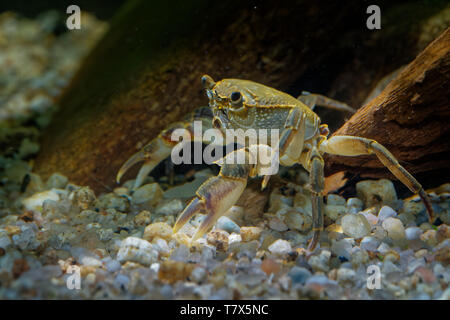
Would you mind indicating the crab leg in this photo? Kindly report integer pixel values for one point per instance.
(314, 99)
(216, 195)
(291, 141)
(160, 148)
(316, 181)
(355, 146)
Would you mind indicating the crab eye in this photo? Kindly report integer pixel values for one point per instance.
(235, 96)
(208, 82)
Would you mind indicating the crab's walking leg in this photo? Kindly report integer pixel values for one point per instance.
(316, 181)
(313, 99)
(216, 195)
(160, 148)
(355, 146)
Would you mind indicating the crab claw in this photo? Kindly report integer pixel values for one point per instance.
(214, 197)
(153, 153)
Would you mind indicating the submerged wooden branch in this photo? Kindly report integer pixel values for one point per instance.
(410, 117)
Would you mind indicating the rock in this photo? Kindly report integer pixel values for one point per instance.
(383, 248)
(234, 238)
(299, 275)
(280, 247)
(345, 275)
(113, 266)
(5, 241)
(413, 233)
(161, 246)
(386, 212)
(429, 237)
(368, 214)
(278, 201)
(320, 262)
(148, 194)
(26, 239)
(171, 271)
(389, 267)
(85, 257)
(355, 225)
(303, 201)
(355, 203)
(394, 228)
(377, 192)
(443, 232)
(270, 266)
(137, 250)
(34, 203)
(334, 211)
(342, 248)
(174, 207)
(158, 230)
(143, 218)
(277, 225)
(297, 220)
(57, 181)
(369, 243)
(198, 274)
(250, 233)
(359, 256)
(334, 199)
(219, 239)
(84, 198)
(227, 225)
(181, 253)
(112, 201)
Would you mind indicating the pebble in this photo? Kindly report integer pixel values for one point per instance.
(355, 225)
(377, 192)
(355, 203)
(270, 266)
(299, 275)
(345, 275)
(369, 243)
(320, 263)
(334, 199)
(137, 250)
(219, 239)
(143, 218)
(277, 225)
(394, 228)
(333, 211)
(34, 203)
(108, 201)
(57, 181)
(280, 247)
(227, 225)
(113, 265)
(368, 214)
(296, 219)
(172, 207)
(198, 274)
(386, 212)
(148, 194)
(250, 233)
(157, 230)
(342, 248)
(413, 233)
(429, 237)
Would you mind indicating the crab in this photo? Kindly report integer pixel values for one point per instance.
(244, 104)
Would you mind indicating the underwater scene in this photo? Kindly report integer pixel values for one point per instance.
(234, 150)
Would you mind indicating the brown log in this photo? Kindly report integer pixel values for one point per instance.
(410, 117)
